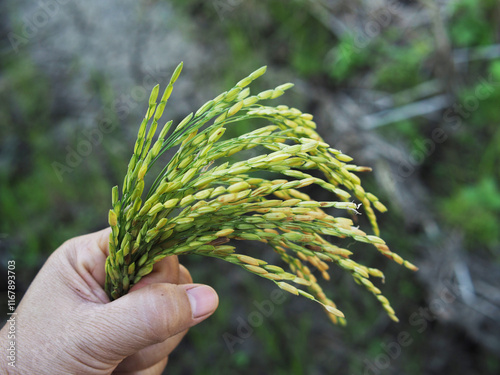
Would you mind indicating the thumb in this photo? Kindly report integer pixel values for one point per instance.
(152, 314)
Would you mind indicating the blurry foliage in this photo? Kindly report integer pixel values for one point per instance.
(42, 211)
(24, 114)
(476, 209)
(349, 58)
(473, 22)
(475, 147)
(400, 66)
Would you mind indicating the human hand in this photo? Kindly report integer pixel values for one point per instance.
(65, 324)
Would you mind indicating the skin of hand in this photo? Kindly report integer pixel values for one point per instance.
(65, 323)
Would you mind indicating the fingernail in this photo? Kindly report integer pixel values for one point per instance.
(203, 300)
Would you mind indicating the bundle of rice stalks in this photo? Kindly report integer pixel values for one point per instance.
(203, 202)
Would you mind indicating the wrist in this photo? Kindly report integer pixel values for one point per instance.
(8, 356)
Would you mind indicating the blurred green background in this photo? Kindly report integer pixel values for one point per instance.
(410, 88)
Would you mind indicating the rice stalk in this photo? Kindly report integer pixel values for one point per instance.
(203, 202)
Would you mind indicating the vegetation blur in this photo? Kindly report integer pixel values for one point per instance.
(410, 88)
